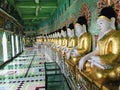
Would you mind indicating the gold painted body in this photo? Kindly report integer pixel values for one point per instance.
(109, 52)
(72, 42)
(64, 44)
(83, 47)
(59, 44)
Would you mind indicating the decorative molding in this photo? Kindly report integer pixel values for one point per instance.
(65, 23)
(9, 16)
(85, 11)
(115, 3)
(60, 27)
(117, 9)
(72, 19)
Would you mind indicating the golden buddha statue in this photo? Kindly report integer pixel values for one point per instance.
(55, 41)
(64, 40)
(59, 40)
(39, 39)
(72, 40)
(52, 40)
(83, 44)
(44, 38)
(103, 64)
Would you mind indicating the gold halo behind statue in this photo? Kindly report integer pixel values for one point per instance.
(72, 19)
(115, 3)
(85, 11)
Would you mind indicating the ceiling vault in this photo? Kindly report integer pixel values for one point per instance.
(33, 12)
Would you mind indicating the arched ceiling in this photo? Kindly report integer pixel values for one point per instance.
(33, 12)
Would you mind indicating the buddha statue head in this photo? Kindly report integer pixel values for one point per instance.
(63, 31)
(55, 34)
(80, 26)
(46, 35)
(59, 33)
(70, 30)
(51, 35)
(107, 20)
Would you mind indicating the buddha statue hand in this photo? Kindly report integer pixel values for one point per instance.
(95, 59)
(75, 53)
(58, 48)
(84, 59)
(68, 54)
(99, 64)
(53, 46)
(64, 50)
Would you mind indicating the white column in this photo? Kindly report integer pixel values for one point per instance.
(17, 46)
(4, 44)
(21, 44)
(13, 47)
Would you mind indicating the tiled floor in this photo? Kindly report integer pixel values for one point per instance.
(26, 72)
(30, 72)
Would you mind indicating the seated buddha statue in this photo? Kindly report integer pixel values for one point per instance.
(59, 42)
(52, 40)
(103, 64)
(64, 40)
(55, 41)
(83, 43)
(71, 41)
(49, 37)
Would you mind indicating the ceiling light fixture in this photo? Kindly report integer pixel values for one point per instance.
(37, 10)
(36, 1)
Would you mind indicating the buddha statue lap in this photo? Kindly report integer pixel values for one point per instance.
(103, 64)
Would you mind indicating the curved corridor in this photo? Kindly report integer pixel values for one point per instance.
(27, 72)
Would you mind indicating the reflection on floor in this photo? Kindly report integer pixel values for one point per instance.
(27, 72)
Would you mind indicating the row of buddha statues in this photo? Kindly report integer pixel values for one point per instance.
(74, 44)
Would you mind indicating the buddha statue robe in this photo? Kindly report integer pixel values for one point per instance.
(109, 53)
(103, 64)
(83, 47)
